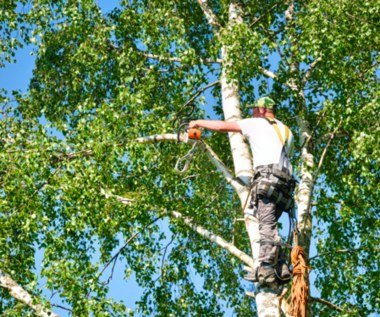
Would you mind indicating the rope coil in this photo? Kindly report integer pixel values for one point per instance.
(300, 287)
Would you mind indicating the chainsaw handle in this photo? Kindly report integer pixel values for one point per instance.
(181, 126)
(192, 133)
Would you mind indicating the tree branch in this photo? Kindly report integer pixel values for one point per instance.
(215, 238)
(200, 91)
(326, 303)
(210, 15)
(58, 157)
(148, 139)
(294, 47)
(310, 70)
(272, 35)
(116, 255)
(20, 294)
(202, 231)
(257, 20)
(178, 59)
(332, 252)
(267, 73)
(310, 136)
(283, 303)
(374, 65)
(62, 307)
(325, 151)
(164, 257)
(165, 58)
(160, 138)
(125, 201)
(234, 182)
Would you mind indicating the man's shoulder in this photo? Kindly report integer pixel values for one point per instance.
(251, 120)
(279, 122)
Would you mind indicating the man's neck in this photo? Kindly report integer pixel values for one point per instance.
(269, 115)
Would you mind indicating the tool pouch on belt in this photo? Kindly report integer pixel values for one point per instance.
(276, 184)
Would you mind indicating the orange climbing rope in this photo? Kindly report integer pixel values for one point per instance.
(300, 287)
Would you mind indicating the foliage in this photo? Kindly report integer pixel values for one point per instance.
(100, 81)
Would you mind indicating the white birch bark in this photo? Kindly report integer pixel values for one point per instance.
(17, 292)
(267, 300)
(231, 108)
(215, 238)
(305, 188)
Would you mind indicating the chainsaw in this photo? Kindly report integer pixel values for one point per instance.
(191, 133)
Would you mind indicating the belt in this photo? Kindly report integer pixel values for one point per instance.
(273, 169)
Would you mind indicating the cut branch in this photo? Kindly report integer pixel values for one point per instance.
(215, 238)
(160, 138)
(20, 294)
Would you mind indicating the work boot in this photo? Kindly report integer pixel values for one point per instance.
(266, 275)
(252, 276)
(282, 272)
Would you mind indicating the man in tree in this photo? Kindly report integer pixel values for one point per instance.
(271, 144)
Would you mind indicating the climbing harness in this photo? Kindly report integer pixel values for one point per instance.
(183, 163)
(275, 183)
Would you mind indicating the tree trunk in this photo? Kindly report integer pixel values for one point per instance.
(267, 301)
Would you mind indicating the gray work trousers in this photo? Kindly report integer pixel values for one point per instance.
(268, 214)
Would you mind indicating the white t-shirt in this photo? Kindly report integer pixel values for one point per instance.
(265, 144)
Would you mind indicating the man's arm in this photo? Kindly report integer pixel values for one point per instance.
(216, 125)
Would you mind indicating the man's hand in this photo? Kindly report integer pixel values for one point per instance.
(193, 124)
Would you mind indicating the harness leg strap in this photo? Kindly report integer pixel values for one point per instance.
(275, 243)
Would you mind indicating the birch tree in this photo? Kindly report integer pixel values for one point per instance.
(87, 154)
